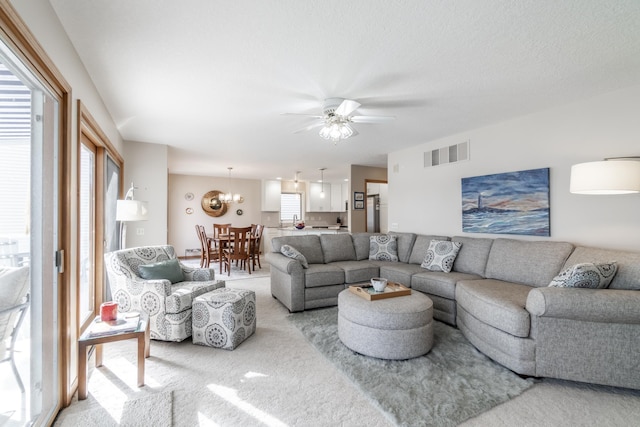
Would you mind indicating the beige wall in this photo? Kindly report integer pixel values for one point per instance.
(182, 234)
(428, 200)
(357, 182)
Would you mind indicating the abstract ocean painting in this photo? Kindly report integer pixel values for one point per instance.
(507, 203)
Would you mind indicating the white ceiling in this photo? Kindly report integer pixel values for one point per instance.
(210, 78)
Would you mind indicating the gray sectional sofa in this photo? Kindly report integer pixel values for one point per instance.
(497, 294)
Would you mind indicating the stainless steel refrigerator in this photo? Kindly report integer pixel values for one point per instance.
(373, 214)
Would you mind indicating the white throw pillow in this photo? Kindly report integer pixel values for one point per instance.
(383, 247)
(441, 255)
(586, 275)
(291, 252)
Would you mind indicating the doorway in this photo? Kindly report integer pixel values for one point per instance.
(377, 206)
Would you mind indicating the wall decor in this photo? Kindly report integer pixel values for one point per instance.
(188, 196)
(358, 204)
(507, 203)
(212, 203)
(358, 195)
(239, 212)
(189, 211)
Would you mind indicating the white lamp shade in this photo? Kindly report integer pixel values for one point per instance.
(606, 177)
(131, 210)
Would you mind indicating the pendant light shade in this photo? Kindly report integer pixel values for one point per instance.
(606, 177)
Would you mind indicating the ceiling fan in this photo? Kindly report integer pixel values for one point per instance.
(337, 117)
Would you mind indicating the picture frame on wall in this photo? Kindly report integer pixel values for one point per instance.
(358, 200)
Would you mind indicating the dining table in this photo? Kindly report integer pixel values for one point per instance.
(223, 240)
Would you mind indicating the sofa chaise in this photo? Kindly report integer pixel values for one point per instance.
(497, 293)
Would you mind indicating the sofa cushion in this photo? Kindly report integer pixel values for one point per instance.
(169, 269)
(323, 275)
(308, 245)
(441, 255)
(421, 246)
(473, 255)
(399, 272)
(628, 264)
(383, 247)
(405, 244)
(496, 303)
(532, 263)
(337, 247)
(291, 252)
(362, 244)
(439, 283)
(586, 275)
(358, 271)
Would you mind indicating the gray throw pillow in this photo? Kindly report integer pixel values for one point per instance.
(291, 252)
(586, 275)
(383, 247)
(169, 269)
(441, 255)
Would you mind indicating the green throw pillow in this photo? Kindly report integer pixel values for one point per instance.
(169, 270)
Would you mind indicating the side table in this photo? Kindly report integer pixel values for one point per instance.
(98, 333)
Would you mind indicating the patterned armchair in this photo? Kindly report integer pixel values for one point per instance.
(168, 305)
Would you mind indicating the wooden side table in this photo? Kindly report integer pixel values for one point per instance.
(97, 334)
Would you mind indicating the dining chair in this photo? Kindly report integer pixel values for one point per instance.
(237, 250)
(218, 230)
(256, 239)
(207, 253)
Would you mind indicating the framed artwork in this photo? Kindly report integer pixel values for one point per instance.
(507, 203)
(358, 200)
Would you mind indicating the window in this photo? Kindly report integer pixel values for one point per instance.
(290, 205)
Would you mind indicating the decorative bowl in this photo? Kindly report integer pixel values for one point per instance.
(379, 284)
(299, 225)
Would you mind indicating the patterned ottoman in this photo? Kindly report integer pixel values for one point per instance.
(224, 318)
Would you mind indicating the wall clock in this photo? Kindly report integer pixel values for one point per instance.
(212, 205)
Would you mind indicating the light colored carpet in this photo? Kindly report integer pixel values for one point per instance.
(454, 381)
(276, 378)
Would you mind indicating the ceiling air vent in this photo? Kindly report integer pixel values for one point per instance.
(451, 154)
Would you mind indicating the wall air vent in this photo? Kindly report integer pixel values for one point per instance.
(451, 154)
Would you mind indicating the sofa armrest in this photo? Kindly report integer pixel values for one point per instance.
(283, 263)
(196, 274)
(592, 305)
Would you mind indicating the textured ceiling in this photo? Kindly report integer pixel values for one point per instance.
(212, 78)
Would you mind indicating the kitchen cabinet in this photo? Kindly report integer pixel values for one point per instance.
(271, 190)
(339, 197)
(315, 201)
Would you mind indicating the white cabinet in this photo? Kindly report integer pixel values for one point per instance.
(271, 190)
(338, 197)
(315, 201)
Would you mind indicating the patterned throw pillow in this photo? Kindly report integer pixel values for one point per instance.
(291, 252)
(441, 255)
(383, 247)
(586, 275)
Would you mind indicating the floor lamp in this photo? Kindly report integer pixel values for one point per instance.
(128, 210)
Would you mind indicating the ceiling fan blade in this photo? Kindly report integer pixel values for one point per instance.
(372, 119)
(311, 126)
(347, 107)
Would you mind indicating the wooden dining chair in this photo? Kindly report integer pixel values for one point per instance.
(237, 250)
(207, 253)
(256, 239)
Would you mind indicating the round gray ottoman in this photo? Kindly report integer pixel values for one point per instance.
(392, 328)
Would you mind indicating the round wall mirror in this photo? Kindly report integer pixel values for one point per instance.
(212, 205)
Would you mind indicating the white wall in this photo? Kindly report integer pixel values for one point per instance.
(146, 166)
(428, 200)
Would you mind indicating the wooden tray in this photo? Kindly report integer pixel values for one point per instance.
(392, 290)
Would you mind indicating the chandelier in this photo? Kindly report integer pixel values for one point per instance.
(336, 128)
(230, 197)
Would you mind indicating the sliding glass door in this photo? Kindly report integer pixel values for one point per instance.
(29, 383)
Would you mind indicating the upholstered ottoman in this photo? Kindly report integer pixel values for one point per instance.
(392, 328)
(224, 318)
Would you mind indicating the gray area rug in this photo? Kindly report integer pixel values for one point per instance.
(450, 384)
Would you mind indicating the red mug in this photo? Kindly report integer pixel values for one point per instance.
(109, 311)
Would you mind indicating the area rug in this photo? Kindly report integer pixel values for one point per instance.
(451, 383)
(156, 409)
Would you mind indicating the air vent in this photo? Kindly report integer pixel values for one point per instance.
(451, 154)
